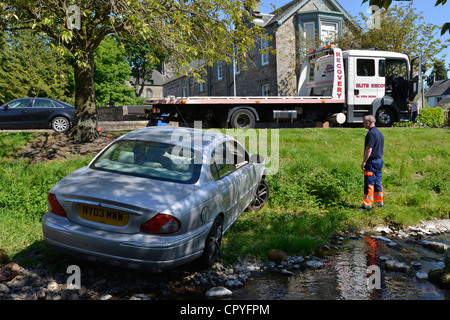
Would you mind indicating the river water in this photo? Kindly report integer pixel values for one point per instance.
(344, 276)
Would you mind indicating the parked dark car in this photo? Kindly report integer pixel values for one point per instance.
(36, 113)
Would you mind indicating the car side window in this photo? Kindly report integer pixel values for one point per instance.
(41, 103)
(236, 153)
(19, 103)
(220, 166)
(226, 158)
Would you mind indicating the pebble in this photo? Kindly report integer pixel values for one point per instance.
(314, 264)
(421, 276)
(218, 292)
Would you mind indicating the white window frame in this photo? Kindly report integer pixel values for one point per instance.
(328, 32)
(264, 57)
(184, 88)
(202, 83)
(265, 90)
(308, 32)
(219, 71)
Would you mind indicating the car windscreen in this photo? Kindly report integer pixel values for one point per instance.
(148, 159)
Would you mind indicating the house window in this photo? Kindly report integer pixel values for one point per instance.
(264, 54)
(202, 83)
(184, 88)
(328, 32)
(219, 71)
(265, 90)
(237, 68)
(308, 32)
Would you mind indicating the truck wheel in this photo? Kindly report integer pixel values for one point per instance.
(385, 118)
(243, 119)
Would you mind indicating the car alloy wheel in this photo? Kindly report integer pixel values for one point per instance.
(261, 196)
(60, 124)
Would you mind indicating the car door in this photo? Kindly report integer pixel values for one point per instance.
(231, 173)
(40, 113)
(14, 115)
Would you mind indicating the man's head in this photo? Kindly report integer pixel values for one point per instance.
(369, 121)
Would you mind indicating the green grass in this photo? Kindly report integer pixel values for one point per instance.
(314, 193)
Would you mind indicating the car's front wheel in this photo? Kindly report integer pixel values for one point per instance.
(213, 243)
(60, 124)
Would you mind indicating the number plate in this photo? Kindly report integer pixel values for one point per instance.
(102, 215)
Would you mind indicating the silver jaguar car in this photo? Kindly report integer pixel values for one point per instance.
(155, 198)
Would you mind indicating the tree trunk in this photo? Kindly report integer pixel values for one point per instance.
(85, 127)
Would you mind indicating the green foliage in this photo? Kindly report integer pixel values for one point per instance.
(432, 117)
(31, 67)
(439, 72)
(111, 72)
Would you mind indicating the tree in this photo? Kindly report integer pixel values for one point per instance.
(399, 29)
(183, 29)
(111, 71)
(387, 3)
(439, 72)
(142, 66)
(31, 67)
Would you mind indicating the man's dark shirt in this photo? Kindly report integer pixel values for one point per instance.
(375, 139)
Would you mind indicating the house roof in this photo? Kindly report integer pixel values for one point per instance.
(285, 12)
(444, 102)
(439, 88)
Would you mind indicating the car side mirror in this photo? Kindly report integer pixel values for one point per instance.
(256, 158)
(6, 107)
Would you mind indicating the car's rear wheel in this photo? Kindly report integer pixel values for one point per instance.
(60, 124)
(213, 243)
(261, 196)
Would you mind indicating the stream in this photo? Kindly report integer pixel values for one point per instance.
(344, 277)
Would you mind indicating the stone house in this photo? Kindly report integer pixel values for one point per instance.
(290, 27)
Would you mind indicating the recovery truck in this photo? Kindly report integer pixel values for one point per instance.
(334, 85)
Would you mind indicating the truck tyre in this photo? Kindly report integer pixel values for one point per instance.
(243, 119)
(385, 117)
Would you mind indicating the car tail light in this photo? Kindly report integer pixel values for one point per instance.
(162, 224)
(54, 206)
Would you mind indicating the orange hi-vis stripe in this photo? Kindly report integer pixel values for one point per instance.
(368, 173)
(378, 196)
(368, 198)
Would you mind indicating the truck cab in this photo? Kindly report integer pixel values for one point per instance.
(378, 83)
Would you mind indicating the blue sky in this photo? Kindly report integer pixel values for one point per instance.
(436, 15)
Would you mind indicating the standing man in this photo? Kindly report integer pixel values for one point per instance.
(372, 165)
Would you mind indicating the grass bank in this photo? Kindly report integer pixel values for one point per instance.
(314, 192)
